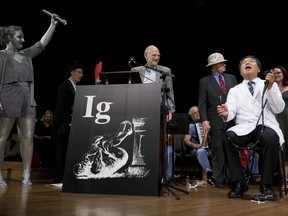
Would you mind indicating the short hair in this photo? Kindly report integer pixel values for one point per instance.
(252, 57)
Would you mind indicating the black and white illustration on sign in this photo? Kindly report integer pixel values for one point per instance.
(106, 156)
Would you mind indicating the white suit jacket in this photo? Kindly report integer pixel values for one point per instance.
(246, 108)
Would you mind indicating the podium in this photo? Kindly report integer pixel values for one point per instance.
(114, 142)
(120, 77)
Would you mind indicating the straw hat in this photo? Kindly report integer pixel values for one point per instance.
(215, 58)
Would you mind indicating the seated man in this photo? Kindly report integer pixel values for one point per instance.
(254, 110)
(195, 147)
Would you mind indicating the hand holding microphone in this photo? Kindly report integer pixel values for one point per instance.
(270, 78)
(222, 109)
(55, 16)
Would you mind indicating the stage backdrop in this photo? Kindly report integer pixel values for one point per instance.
(114, 141)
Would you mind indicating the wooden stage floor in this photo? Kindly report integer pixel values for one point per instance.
(42, 199)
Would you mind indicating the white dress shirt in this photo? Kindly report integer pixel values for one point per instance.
(150, 76)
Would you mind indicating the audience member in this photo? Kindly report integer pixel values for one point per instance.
(43, 144)
(281, 78)
(17, 104)
(256, 122)
(151, 73)
(63, 115)
(197, 148)
(210, 93)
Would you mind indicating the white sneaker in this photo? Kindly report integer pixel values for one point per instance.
(26, 182)
(2, 183)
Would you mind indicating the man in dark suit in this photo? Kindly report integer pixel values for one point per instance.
(153, 73)
(63, 115)
(212, 89)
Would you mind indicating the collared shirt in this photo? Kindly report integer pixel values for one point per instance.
(216, 76)
(254, 80)
(150, 76)
(74, 85)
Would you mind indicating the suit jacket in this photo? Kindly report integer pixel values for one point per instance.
(170, 103)
(63, 107)
(209, 92)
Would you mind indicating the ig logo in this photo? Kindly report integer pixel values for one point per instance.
(102, 107)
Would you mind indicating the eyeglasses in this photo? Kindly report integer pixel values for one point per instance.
(155, 55)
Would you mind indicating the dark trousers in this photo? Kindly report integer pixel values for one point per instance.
(62, 145)
(268, 145)
(218, 162)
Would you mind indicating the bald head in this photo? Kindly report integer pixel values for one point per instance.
(152, 56)
(150, 49)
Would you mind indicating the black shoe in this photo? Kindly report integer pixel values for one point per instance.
(210, 179)
(237, 189)
(268, 192)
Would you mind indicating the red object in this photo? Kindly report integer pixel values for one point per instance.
(98, 69)
(244, 157)
(222, 84)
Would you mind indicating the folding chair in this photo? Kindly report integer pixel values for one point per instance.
(189, 163)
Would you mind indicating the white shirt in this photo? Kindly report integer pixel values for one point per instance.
(150, 76)
(74, 85)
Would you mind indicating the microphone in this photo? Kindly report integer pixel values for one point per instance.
(266, 82)
(220, 103)
(266, 86)
(131, 61)
(55, 16)
(220, 100)
(267, 71)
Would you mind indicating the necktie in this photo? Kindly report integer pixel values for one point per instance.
(251, 87)
(222, 84)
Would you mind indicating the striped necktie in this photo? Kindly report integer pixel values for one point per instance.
(251, 87)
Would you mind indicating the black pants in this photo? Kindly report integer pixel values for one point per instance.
(62, 146)
(268, 145)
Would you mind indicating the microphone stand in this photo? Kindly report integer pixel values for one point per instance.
(164, 113)
(263, 105)
(164, 74)
(163, 125)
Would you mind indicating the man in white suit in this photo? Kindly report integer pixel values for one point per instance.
(255, 122)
